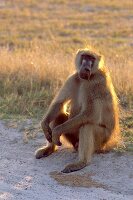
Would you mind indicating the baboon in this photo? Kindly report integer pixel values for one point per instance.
(92, 124)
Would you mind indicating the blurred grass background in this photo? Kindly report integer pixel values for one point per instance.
(38, 42)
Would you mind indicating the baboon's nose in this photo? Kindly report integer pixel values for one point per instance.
(87, 70)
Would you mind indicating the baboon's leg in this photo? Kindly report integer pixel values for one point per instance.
(51, 147)
(102, 136)
(86, 149)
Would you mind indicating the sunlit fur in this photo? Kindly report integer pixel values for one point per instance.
(92, 124)
(99, 66)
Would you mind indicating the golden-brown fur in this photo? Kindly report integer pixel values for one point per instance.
(92, 124)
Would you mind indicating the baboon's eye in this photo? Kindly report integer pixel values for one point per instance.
(92, 59)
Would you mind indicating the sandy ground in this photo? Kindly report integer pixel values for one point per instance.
(22, 177)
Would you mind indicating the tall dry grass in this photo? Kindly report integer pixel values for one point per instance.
(29, 78)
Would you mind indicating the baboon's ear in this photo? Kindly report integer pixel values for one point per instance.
(99, 57)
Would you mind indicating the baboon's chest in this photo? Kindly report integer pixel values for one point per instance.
(83, 96)
(75, 104)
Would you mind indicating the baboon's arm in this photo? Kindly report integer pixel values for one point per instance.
(68, 127)
(73, 123)
(56, 107)
(84, 118)
(65, 94)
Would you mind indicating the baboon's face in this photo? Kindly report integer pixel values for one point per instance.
(86, 66)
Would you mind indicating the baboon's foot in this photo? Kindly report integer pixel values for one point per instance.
(44, 151)
(74, 167)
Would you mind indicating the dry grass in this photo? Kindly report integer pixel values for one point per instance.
(30, 78)
(39, 40)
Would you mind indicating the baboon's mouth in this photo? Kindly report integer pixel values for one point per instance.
(85, 76)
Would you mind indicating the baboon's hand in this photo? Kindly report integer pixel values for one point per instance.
(56, 136)
(47, 130)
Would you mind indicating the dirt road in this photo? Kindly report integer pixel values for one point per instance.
(22, 177)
